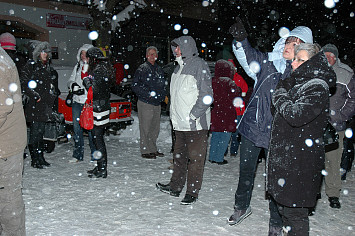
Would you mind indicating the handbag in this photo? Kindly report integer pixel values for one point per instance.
(69, 99)
(87, 116)
(330, 135)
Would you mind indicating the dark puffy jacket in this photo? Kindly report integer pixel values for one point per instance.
(101, 81)
(223, 114)
(149, 84)
(45, 79)
(296, 153)
(255, 124)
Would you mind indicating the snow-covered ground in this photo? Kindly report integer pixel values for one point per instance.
(62, 200)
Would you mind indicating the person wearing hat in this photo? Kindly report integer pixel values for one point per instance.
(342, 108)
(38, 83)
(267, 69)
(98, 83)
(8, 43)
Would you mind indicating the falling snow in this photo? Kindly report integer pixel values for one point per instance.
(62, 200)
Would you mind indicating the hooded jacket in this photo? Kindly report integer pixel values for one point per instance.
(342, 102)
(75, 76)
(267, 69)
(225, 91)
(190, 88)
(296, 153)
(13, 132)
(39, 81)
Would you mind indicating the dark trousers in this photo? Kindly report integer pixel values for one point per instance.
(35, 143)
(294, 219)
(248, 162)
(189, 160)
(98, 138)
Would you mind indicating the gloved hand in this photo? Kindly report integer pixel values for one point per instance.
(74, 87)
(238, 31)
(87, 82)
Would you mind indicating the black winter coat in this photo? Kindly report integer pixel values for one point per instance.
(296, 151)
(46, 80)
(149, 84)
(101, 81)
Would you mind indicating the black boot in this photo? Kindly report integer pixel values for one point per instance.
(92, 171)
(34, 156)
(101, 169)
(42, 161)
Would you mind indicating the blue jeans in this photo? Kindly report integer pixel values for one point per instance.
(219, 144)
(78, 133)
(248, 162)
(234, 141)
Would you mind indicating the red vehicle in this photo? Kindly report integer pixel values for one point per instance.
(120, 115)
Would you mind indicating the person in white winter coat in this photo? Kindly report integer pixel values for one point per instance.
(75, 85)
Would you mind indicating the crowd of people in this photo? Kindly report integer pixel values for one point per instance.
(299, 88)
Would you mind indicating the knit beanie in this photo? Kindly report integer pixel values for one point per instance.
(8, 41)
(331, 48)
(302, 32)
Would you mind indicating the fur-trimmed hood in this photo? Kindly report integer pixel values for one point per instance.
(39, 47)
(85, 47)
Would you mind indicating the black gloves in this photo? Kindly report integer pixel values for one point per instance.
(238, 31)
(73, 86)
(87, 82)
(77, 90)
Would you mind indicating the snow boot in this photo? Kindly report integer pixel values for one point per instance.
(42, 161)
(34, 156)
(101, 169)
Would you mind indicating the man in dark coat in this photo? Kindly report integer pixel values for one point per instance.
(38, 81)
(150, 87)
(296, 150)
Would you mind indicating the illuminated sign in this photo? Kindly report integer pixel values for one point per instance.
(68, 22)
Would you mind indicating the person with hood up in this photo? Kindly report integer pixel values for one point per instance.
(13, 139)
(191, 96)
(296, 155)
(342, 108)
(267, 69)
(38, 83)
(223, 115)
(75, 85)
(98, 83)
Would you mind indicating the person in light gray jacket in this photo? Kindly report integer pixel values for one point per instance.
(75, 85)
(342, 108)
(191, 97)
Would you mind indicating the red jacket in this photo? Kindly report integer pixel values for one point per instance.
(223, 115)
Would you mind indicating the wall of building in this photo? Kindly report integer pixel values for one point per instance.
(34, 20)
